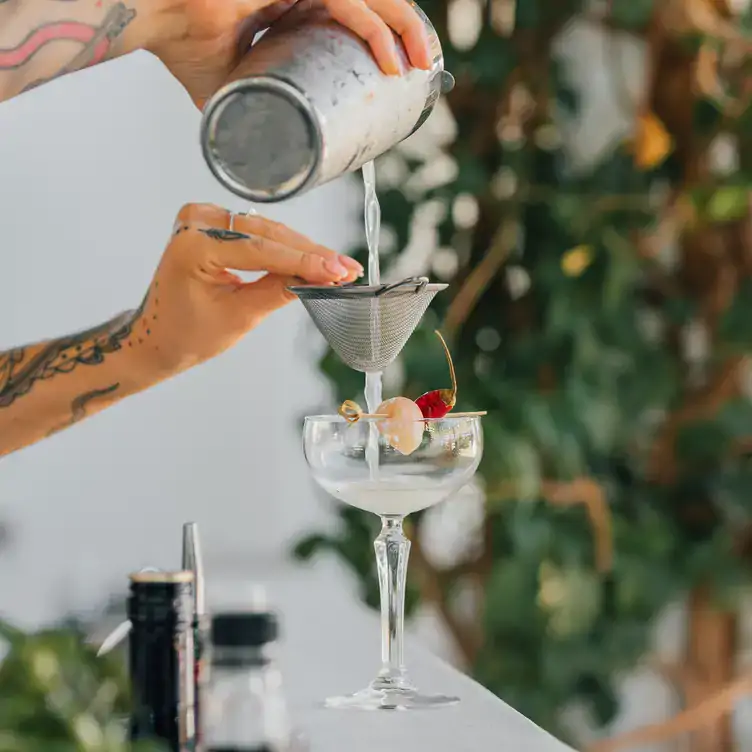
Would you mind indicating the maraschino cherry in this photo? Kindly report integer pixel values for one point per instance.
(439, 402)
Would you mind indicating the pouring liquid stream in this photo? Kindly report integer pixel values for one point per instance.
(373, 392)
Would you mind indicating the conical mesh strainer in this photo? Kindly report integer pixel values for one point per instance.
(367, 326)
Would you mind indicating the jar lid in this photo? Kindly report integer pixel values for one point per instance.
(242, 629)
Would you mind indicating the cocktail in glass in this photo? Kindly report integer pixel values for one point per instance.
(356, 464)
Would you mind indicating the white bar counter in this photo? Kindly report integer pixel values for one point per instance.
(330, 646)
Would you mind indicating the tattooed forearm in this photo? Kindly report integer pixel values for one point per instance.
(35, 44)
(58, 357)
(8, 363)
(79, 405)
(49, 386)
(21, 370)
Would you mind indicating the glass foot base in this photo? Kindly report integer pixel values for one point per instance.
(390, 698)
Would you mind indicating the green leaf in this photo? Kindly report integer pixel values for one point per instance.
(600, 698)
(349, 383)
(472, 176)
(517, 465)
(494, 59)
(622, 270)
(9, 633)
(735, 418)
(397, 212)
(701, 442)
(631, 14)
(533, 534)
(733, 486)
(568, 209)
(680, 311)
(370, 592)
(707, 116)
(508, 602)
(736, 325)
(308, 547)
(728, 203)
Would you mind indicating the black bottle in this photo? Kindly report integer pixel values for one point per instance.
(162, 658)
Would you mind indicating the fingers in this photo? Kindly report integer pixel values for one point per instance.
(267, 228)
(216, 250)
(371, 20)
(359, 18)
(264, 296)
(208, 214)
(214, 216)
(401, 16)
(245, 8)
(279, 233)
(255, 244)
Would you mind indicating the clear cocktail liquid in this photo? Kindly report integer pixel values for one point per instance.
(372, 217)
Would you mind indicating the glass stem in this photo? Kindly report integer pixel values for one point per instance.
(392, 551)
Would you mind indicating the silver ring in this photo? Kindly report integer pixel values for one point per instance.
(249, 213)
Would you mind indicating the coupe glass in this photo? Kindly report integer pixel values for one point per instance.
(356, 464)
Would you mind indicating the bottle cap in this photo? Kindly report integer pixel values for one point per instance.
(244, 629)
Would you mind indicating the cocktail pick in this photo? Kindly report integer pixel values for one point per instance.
(352, 412)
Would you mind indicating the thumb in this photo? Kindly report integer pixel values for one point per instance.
(264, 296)
(259, 20)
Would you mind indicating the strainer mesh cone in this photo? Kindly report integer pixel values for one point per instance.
(368, 326)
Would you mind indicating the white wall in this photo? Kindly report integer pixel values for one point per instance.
(93, 169)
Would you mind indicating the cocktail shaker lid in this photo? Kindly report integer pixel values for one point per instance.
(261, 139)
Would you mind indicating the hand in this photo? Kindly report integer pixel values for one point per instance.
(196, 307)
(202, 41)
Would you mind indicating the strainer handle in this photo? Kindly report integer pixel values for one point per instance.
(421, 282)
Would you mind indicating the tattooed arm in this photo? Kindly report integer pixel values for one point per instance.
(52, 385)
(44, 39)
(200, 41)
(195, 309)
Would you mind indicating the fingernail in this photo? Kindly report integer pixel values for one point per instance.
(392, 66)
(351, 264)
(336, 268)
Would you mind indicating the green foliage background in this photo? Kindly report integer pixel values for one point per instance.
(580, 386)
(56, 695)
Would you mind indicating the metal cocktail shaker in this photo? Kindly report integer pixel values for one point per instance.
(309, 103)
